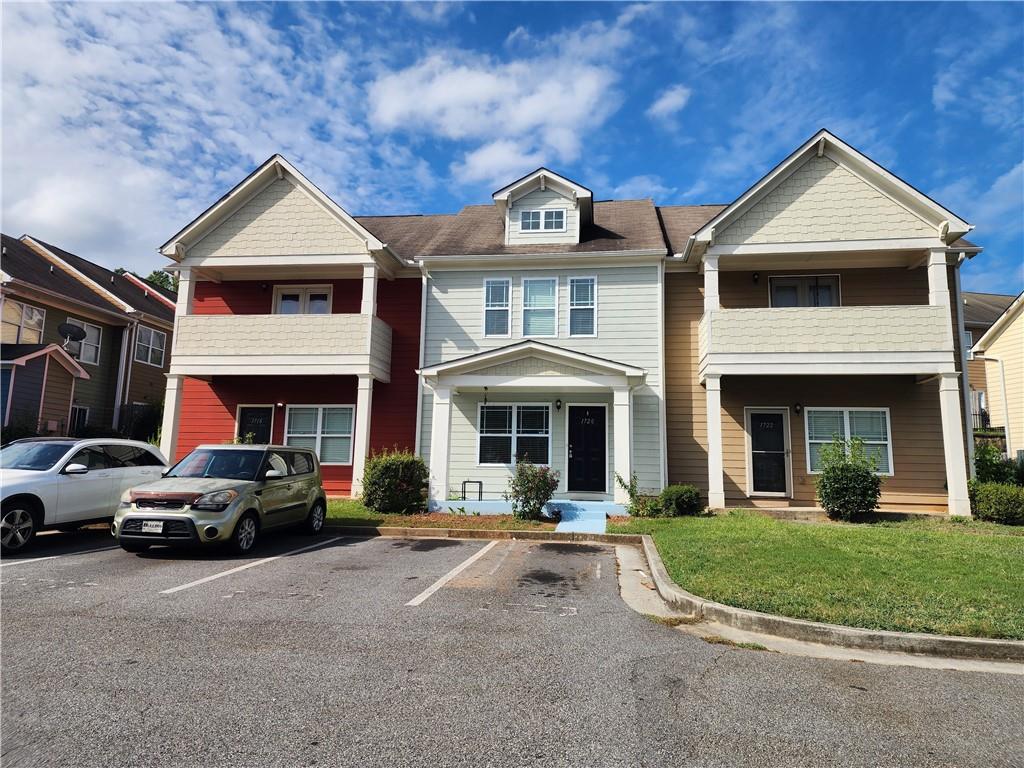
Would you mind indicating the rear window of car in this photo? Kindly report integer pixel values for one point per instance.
(302, 463)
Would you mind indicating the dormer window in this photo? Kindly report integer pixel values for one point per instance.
(530, 221)
(554, 221)
(546, 221)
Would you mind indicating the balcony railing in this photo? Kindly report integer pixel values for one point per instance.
(879, 339)
(209, 345)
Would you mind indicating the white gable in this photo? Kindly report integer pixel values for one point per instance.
(533, 366)
(282, 219)
(548, 199)
(821, 200)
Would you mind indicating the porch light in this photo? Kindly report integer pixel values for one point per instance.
(280, 405)
(797, 409)
(558, 405)
(757, 276)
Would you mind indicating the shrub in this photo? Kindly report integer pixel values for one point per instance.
(679, 500)
(848, 486)
(530, 488)
(991, 467)
(997, 502)
(395, 482)
(639, 504)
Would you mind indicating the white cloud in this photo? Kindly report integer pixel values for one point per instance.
(638, 187)
(669, 103)
(496, 162)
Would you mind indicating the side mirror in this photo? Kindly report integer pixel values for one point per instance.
(75, 469)
(270, 474)
(164, 471)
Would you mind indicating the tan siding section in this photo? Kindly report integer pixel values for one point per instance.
(57, 398)
(822, 200)
(857, 287)
(1009, 347)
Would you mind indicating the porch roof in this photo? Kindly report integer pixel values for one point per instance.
(530, 348)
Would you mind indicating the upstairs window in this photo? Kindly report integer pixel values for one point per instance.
(497, 307)
(88, 349)
(548, 221)
(22, 323)
(150, 346)
(805, 291)
(540, 300)
(554, 221)
(302, 299)
(529, 221)
(969, 344)
(582, 306)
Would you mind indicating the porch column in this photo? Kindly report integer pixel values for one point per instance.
(622, 418)
(369, 303)
(716, 483)
(440, 430)
(361, 437)
(953, 444)
(938, 281)
(710, 283)
(172, 417)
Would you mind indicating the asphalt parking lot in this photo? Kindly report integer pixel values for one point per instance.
(393, 652)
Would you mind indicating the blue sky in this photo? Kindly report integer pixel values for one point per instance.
(122, 122)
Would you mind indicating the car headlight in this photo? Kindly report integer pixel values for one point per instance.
(215, 502)
(126, 500)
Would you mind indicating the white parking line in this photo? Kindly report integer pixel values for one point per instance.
(253, 564)
(9, 563)
(450, 575)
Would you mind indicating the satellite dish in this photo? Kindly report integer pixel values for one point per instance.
(70, 332)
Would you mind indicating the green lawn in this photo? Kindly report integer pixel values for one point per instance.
(937, 575)
(351, 512)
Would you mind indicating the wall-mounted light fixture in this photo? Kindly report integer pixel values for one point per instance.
(264, 286)
(485, 395)
(797, 409)
(558, 405)
(280, 405)
(756, 276)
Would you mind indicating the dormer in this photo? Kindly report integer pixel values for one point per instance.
(543, 208)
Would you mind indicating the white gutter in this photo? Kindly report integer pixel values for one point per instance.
(425, 285)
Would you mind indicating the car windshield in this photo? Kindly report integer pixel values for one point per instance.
(38, 457)
(210, 462)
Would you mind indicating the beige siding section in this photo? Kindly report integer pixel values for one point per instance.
(547, 199)
(822, 200)
(57, 398)
(857, 287)
(532, 366)
(1008, 347)
(229, 335)
(280, 220)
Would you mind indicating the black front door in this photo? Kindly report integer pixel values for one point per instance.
(768, 451)
(588, 448)
(254, 423)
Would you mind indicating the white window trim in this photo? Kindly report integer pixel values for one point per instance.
(319, 424)
(846, 411)
(542, 230)
(80, 408)
(609, 460)
(305, 290)
(150, 347)
(99, 344)
(21, 322)
(508, 282)
(836, 275)
(749, 455)
(238, 416)
(568, 321)
(523, 308)
(968, 343)
(515, 426)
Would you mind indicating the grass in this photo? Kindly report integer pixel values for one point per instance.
(933, 575)
(351, 512)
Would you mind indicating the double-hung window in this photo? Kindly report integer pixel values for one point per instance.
(805, 291)
(88, 349)
(497, 307)
(326, 429)
(529, 221)
(540, 301)
(554, 221)
(870, 425)
(22, 323)
(150, 345)
(511, 433)
(582, 306)
(302, 299)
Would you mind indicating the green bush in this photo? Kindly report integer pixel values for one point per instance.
(991, 467)
(530, 488)
(395, 482)
(997, 502)
(677, 500)
(848, 486)
(639, 505)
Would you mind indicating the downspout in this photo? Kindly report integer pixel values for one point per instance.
(132, 329)
(1006, 402)
(119, 390)
(419, 376)
(964, 388)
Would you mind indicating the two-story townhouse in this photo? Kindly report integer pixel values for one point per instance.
(295, 324)
(981, 310)
(1001, 350)
(822, 302)
(115, 384)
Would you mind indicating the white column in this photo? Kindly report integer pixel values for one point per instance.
(361, 436)
(621, 418)
(172, 417)
(440, 431)
(369, 304)
(938, 281)
(711, 283)
(953, 444)
(716, 481)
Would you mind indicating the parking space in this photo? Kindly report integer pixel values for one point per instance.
(405, 652)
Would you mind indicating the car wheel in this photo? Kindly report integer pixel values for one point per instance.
(243, 539)
(131, 546)
(315, 519)
(17, 527)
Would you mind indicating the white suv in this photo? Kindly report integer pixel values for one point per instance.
(65, 482)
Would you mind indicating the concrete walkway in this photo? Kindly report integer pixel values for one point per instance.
(585, 516)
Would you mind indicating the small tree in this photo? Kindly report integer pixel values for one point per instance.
(395, 482)
(991, 467)
(848, 486)
(639, 505)
(530, 488)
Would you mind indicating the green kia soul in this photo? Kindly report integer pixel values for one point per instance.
(224, 494)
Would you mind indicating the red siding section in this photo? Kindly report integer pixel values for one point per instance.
(256, 297)
(393, 421)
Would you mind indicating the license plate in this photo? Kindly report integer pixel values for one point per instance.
(152, 526)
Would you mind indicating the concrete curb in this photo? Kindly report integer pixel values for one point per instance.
(476, 533)
(828, 634)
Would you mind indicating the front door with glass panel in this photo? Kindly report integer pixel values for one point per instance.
(254, 423)
(769, 452)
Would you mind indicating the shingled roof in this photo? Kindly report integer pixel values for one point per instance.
(983, 309)
(681, 221)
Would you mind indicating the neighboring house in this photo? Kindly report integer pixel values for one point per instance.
(119, 366)
(719, 345)
(1002, 350)
(980, 311)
